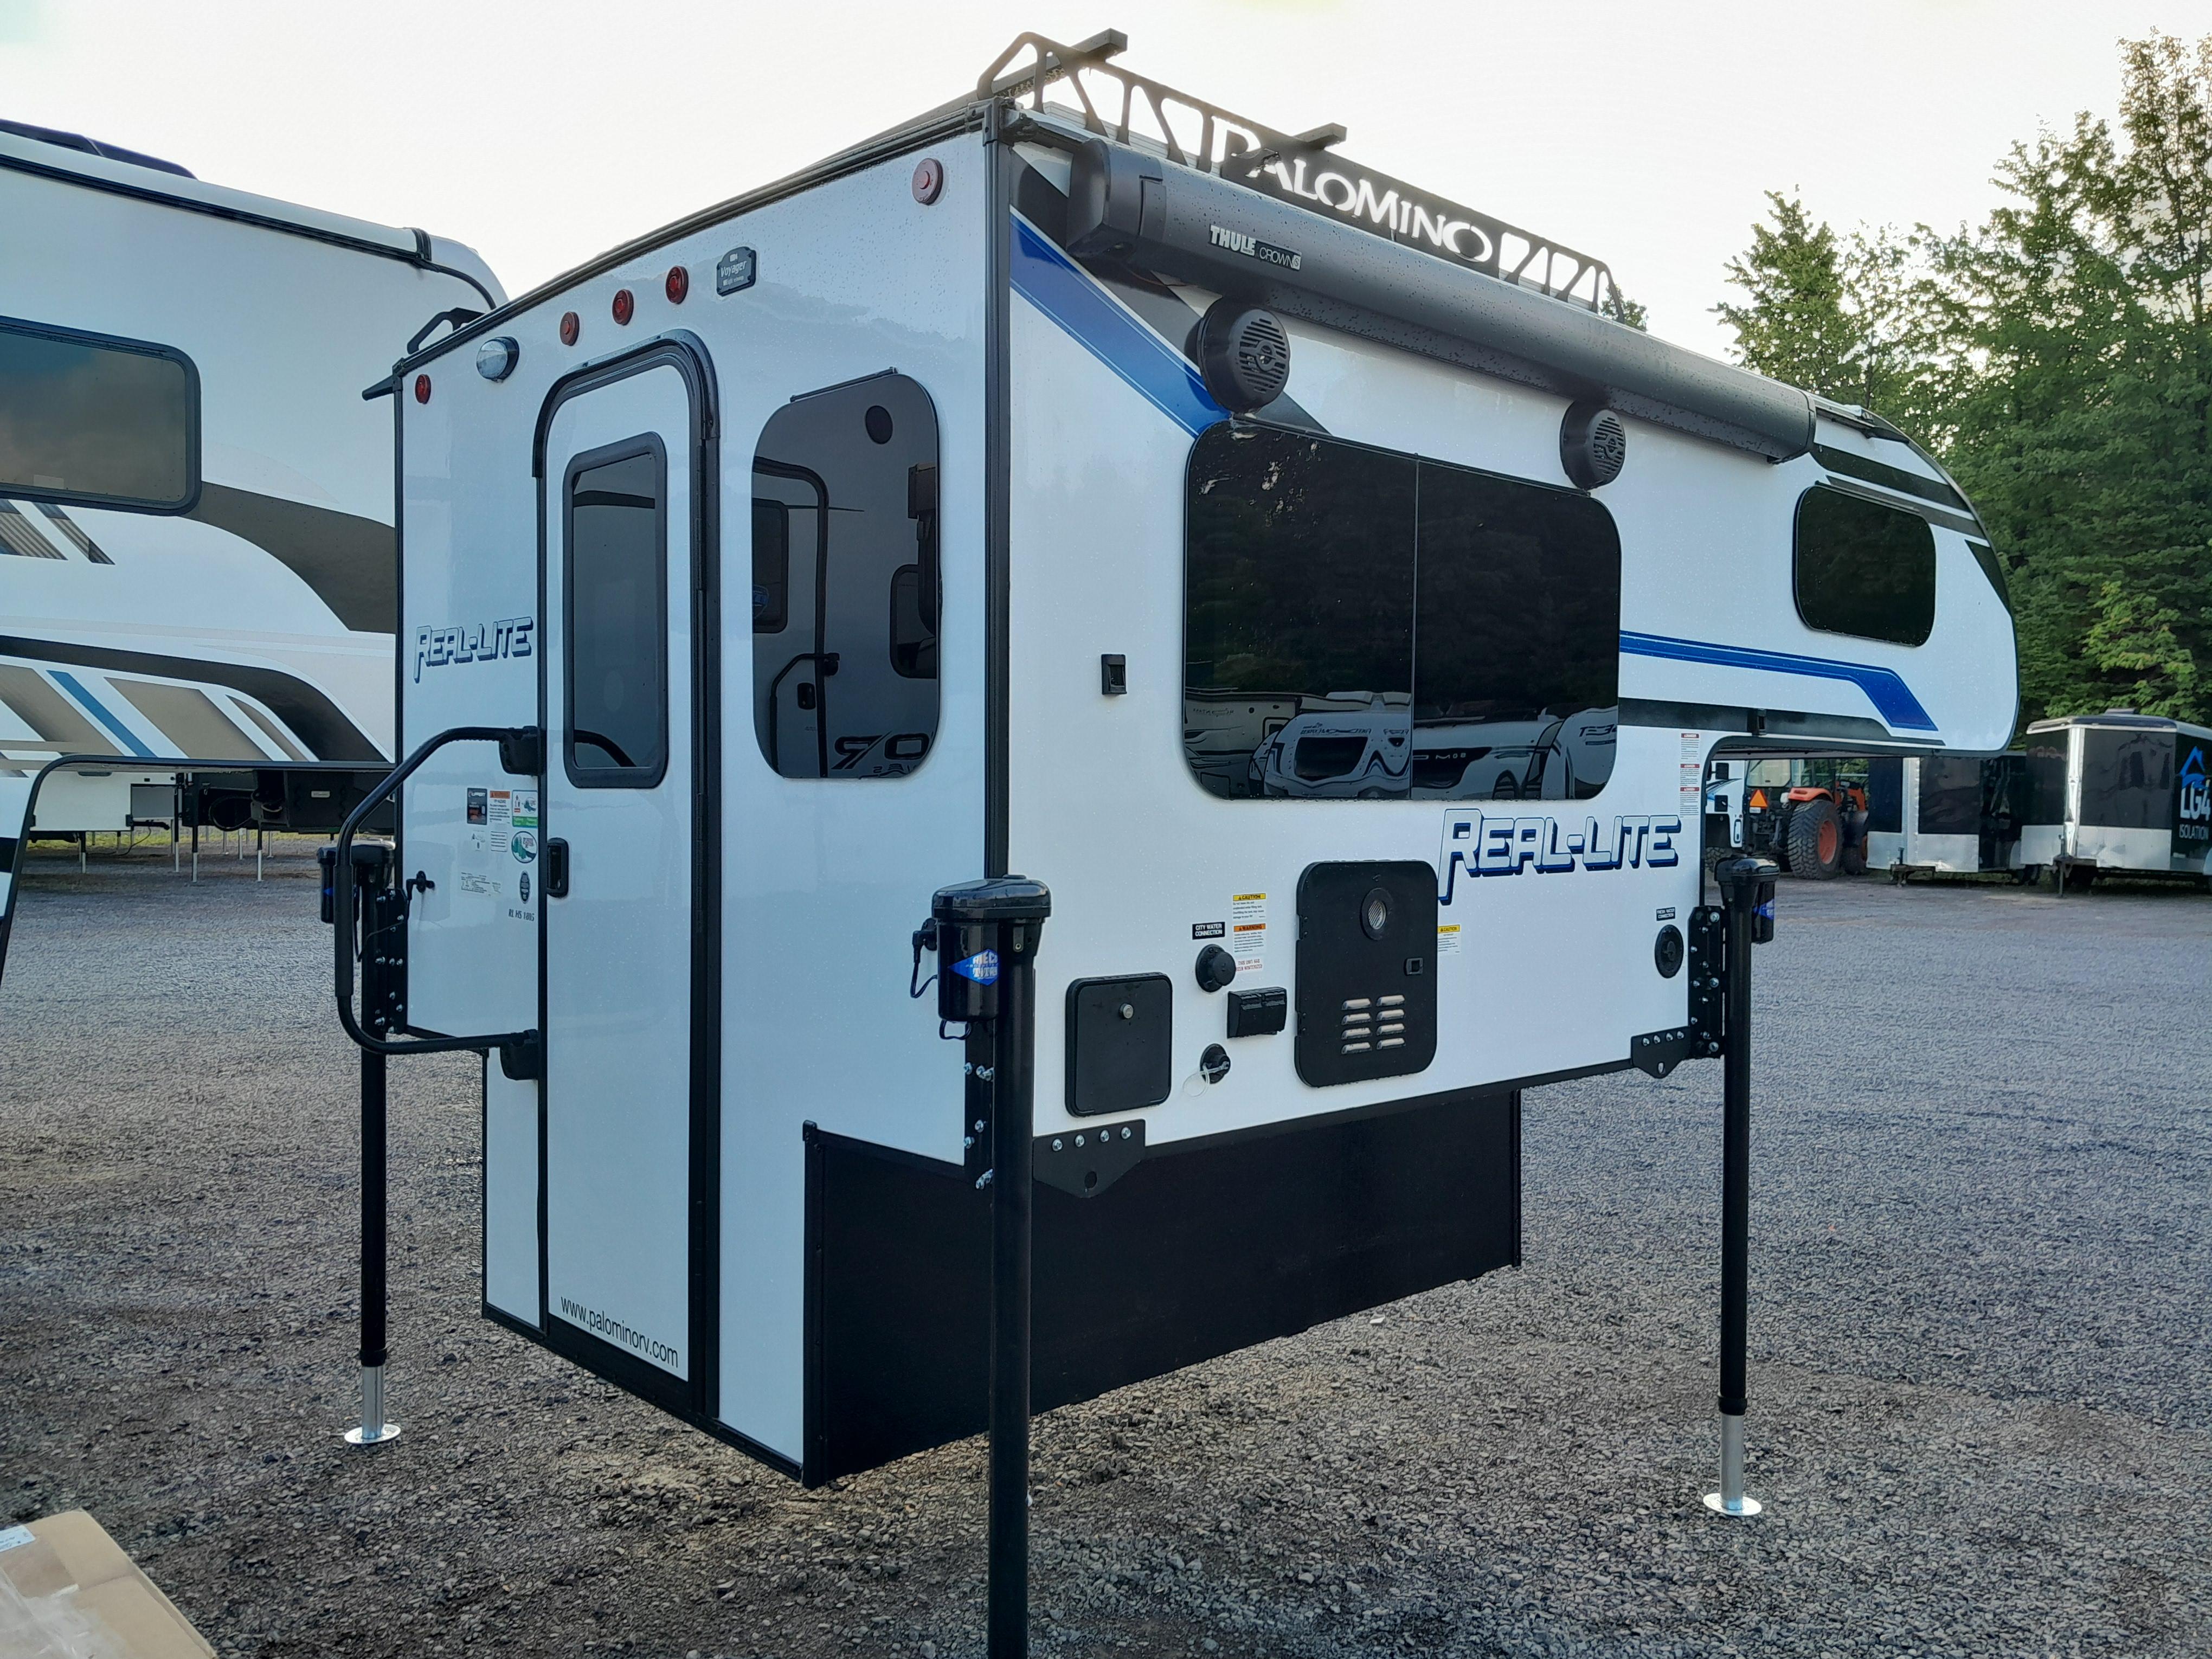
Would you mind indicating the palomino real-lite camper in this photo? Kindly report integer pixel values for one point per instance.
(197, 553)
(1306, 579)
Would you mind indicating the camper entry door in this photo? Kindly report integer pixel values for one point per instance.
(618, 867)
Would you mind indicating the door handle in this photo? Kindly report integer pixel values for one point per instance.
(557, 868)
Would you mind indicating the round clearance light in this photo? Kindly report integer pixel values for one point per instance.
(1243, 355)
(678, 284)
(625, 306)
(1593, 444)
(571, 326)
(497, 357)
(877, 420)
(928, 181)
(422, 388)
(1375, 913)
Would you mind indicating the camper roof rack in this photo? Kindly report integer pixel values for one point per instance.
(1294, 168)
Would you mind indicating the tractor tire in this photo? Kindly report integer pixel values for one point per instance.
(1853, 860)
(1816, 840)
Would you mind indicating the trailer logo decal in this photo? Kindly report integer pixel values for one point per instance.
(434, 648)
(982, 967)
(1252, 247)
(1507, 846)
(2192, 806)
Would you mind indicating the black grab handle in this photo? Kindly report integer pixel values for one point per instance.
(520, 750)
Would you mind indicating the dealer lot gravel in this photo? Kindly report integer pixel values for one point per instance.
(1982, 1354)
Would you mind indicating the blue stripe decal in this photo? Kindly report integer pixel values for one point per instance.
(100, 712)
(1891, 697)
(1091, 317)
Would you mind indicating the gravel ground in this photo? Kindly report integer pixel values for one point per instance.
(1982, 1357)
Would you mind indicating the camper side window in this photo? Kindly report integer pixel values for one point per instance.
(616, 612)
(1368, 625)
(98, 421)
(845, 581)
(1864, 568)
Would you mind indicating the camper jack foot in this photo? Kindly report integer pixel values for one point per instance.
(1730, 1498)
(374, 1430)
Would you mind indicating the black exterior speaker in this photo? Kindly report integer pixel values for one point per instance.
(1593, 444)
(1243, 355)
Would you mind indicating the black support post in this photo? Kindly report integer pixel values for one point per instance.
(988, 936)
(380, 968)
(1746, 887)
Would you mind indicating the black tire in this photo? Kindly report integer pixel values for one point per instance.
(1816, 840)
(1853, 862)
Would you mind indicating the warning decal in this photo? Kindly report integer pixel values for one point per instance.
(1248, 931)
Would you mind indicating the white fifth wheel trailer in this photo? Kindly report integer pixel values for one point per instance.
(197, 560)
(1067, 469)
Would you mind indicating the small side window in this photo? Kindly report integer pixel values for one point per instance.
(771, 567)
(617, 613)
(1864, 568)
(97, 422)
(845, 581)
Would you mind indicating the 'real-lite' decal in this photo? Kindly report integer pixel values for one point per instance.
(1497, 845)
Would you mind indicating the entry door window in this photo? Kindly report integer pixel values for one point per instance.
(617, 613)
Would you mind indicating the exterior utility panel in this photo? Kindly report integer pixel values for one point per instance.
(879, 532)
(197, 549)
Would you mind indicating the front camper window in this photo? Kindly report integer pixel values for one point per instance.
(1864, 568)
(1363, 624)
(103, 422)
(616, 610)
(845, 581)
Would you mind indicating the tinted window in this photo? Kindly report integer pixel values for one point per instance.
(1361, 623)
(1517, 639)
(108, 423)
(845, 582)
(617, 618)
(1864, 568)
(1298, 614)
(1950, 796)
(2127, 779)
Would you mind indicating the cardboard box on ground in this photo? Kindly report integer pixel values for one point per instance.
(67, 1591)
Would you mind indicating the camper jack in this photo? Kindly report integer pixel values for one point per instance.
(1089, 524)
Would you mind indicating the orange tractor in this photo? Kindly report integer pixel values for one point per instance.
(1813, 826)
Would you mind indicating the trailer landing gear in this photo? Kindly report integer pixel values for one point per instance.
(1746, 887)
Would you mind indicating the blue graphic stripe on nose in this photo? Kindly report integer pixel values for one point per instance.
(100, 712)
(1058, 287)
(1885, 688)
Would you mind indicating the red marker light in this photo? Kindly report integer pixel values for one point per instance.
(928, 181)
(678, 284)
(571, 326)
(625, 306)
(422, 388)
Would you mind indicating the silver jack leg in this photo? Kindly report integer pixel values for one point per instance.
(1730, 1499)
(374, 1430)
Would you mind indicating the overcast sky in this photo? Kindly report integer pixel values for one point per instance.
(543, 132)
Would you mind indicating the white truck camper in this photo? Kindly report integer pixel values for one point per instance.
(198, 561)
(1301, 582)
(2118, 793)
